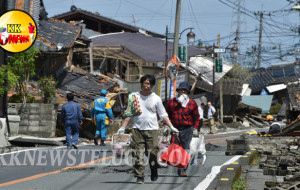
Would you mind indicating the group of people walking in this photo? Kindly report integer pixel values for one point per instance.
(101, 115)
(181, 114)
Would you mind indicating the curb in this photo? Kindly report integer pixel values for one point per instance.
(232, 172)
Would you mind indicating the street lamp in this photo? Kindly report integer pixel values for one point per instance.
(190, 36)
(234, 53)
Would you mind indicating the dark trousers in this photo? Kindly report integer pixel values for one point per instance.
(200, 124)
(185, 137)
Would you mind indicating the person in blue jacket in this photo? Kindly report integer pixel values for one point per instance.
(101, 110)
(71, 115)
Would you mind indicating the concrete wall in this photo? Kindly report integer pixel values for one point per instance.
(35, 119)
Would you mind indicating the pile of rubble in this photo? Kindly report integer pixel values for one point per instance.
(283, 161)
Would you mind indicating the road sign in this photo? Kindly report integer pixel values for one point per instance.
(182, 54)
(219, 50)
(219, 65)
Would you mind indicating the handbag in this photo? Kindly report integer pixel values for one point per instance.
(176, 156)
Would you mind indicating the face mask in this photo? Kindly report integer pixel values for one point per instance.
(183, 99)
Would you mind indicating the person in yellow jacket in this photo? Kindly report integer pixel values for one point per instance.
(102, 112)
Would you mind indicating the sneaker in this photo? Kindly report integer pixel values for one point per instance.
(211, 133)
(96, 140)
(69, 147)
(154, 174)
(140, 180)
(75, 146)
(102, 143)
(183, 174)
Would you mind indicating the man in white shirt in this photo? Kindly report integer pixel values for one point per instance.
(201, 112)
(145, 128)
(210, 115)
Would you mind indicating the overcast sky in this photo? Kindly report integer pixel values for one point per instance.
(208, 17)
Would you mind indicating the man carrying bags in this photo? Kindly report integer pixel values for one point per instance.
(184, 115)
(145, 127)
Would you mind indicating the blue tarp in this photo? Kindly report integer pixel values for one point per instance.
(263, 102)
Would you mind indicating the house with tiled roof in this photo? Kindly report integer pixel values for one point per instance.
(100, 23)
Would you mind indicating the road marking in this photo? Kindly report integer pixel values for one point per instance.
(54, 172)
(214, 172)
(224, 179)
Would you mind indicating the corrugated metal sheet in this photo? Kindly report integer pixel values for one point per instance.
(11, 4)
(263, 102)
(204, 66)
(36, 11)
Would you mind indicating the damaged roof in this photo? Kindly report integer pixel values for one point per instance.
(294, 95)
(86, 87)
(77, 14)
(54, 35)
(263, 77)
(148, 48)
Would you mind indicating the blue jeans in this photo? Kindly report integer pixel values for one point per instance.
(72, 129)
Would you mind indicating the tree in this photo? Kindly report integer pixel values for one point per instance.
(22, 66)
(47, 86)
(11, 79)
(239, 73)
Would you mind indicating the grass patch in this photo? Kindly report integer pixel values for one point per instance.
(256, 159)
(239, 184)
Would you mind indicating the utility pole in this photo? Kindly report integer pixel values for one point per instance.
(240, 20)
(177, 23)
(213, 88)
(221, 87)
(236, 61)
(280, 53)
(259, 39)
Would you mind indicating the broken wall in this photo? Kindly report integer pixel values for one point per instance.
(36, 119)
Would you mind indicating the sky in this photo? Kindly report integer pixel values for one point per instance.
(208, 18)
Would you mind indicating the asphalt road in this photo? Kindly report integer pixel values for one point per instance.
(94, 167)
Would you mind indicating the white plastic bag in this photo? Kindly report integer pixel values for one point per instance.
(197, 145)
(198, 151)
(163, 144)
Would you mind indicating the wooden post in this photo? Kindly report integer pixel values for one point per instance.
(128, 72)
(91, 58)
(221, 100)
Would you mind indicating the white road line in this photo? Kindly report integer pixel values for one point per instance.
(214, 172)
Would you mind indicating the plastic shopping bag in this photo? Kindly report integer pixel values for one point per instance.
(163, 144)
(197, 145)
(176, 156)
